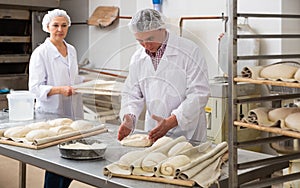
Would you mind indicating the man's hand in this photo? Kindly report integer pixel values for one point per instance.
(162, 127)
(126, 127)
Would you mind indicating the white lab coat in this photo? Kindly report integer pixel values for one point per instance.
(49, 68)
(179, 86)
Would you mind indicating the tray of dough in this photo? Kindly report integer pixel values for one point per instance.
(43, 134)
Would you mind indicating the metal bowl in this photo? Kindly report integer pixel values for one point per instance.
(93, 149)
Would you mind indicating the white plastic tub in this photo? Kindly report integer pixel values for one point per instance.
(20, 105)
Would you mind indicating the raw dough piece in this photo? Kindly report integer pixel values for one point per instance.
(62, 129)
(125, 161)
(16, 132)
(292, 121)
(169, 166)
(281, 113)
(60, 121)
(297, 75)
(278, 71)
(39, 125)
(39, 133)
(81, 125)
(136, 140)
(178, 148)
(151, 160)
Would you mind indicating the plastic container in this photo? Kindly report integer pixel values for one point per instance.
(20, 105)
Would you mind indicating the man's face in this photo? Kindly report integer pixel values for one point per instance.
(151, 40)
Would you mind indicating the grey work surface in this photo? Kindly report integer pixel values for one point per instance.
(91, 171)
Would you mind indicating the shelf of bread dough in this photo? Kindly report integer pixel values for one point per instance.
(276, 130)
(268, 82)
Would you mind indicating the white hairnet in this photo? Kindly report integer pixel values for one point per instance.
(52, 14)
(147, 20)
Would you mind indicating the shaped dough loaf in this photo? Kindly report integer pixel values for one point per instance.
(178, 148)
(278, 71)
(136, 140)
(81, 125)
(60, 121)
(169, 167)
(39, 133)
(39, 125)
(292, 121)
(128, 158)
(62, 129)
(281, 113)
(151, 160)
(16, 132)
(297, 75)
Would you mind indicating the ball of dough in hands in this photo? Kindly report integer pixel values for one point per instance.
(16, 132)
(136, 140)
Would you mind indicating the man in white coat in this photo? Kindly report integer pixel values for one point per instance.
(168, 74)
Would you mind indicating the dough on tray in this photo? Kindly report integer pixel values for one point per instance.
(81, 125)
(278, 71)
(38, 134)
(62, 129)
(151, 160)
(281, 113)
(292, 121)
(179, 147)
(136, 140)
(16, 132)
(170, 165)
(60, 121)
(39, 125)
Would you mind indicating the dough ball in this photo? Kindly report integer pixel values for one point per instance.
(38, 134)
(62, 129)
(60, 121)
(281, 113)
(39, 125)
(151, 160)
(278, 71)
(292, 121)
(136, 140)
(179, 147)
(16, 132)
(81, 125)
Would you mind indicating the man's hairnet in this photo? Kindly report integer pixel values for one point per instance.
(52, 14)
(147, 20)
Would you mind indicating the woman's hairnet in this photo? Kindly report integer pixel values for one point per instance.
(147, 20)
(52, 14)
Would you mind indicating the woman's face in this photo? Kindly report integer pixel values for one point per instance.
(58, 28)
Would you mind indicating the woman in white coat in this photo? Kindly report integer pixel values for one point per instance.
(170, 76)
(53, 70)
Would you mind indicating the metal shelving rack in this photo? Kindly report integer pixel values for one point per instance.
(260, 171)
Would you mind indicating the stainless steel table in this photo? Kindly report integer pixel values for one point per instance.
(87, 171)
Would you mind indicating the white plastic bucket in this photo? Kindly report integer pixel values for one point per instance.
(20, 105)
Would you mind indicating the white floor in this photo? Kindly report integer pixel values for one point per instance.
(9, 172)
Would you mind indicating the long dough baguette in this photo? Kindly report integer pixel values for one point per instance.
(16, 132)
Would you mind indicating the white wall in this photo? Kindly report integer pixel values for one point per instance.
(112, 46)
